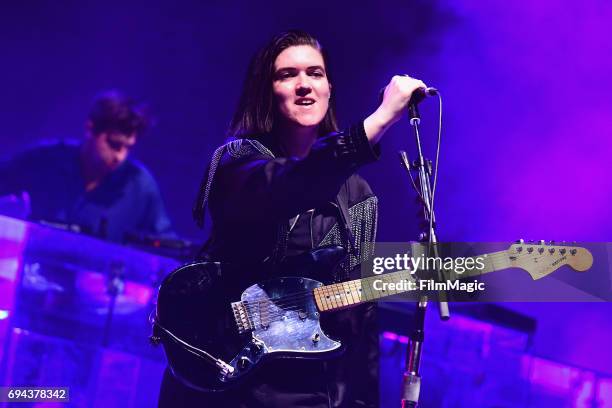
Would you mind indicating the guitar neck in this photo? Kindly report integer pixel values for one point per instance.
(351, 293)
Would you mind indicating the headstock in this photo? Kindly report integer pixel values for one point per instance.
(541, 259)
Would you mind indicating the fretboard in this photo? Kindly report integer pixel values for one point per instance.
(350, 293)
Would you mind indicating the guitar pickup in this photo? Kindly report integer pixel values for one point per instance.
(241, 316)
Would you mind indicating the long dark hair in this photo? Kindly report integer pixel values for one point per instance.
(255, 114)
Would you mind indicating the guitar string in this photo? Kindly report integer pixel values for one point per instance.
(274, 311)
(298, 297)
(496, 256)
(269, 309)
(341, 298)
(302, 294)
(336, 293)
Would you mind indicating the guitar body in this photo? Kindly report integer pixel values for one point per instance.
(201, 308)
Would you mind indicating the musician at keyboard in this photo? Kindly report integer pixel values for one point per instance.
(92, 184)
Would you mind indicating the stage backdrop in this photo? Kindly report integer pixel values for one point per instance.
(526, 134)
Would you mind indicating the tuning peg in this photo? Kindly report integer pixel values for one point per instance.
(551, 242)
(542, 242)
(573, 251)
(541, 250)
(562, 251)
(520, 241)
(551, 250)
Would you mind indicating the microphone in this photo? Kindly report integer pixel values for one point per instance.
(421, 93)
(417, 96)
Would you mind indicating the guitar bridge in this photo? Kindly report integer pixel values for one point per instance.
(241, 315)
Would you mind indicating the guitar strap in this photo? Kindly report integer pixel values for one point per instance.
(235, 148)
(342, 201)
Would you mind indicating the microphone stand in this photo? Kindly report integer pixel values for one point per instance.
(411, 386)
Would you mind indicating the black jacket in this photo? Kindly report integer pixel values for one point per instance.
(264, 207)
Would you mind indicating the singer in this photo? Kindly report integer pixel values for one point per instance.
(286, 184)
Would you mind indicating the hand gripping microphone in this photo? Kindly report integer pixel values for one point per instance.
(421, 93)
(417, 96)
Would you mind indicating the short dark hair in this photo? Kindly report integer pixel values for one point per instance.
(255, 114)
(115, 112)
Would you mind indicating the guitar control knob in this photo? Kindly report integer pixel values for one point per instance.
(244, 362)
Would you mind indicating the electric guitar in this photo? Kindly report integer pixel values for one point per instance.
(212, 343)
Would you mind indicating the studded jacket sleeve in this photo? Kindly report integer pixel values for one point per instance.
(246, 181)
